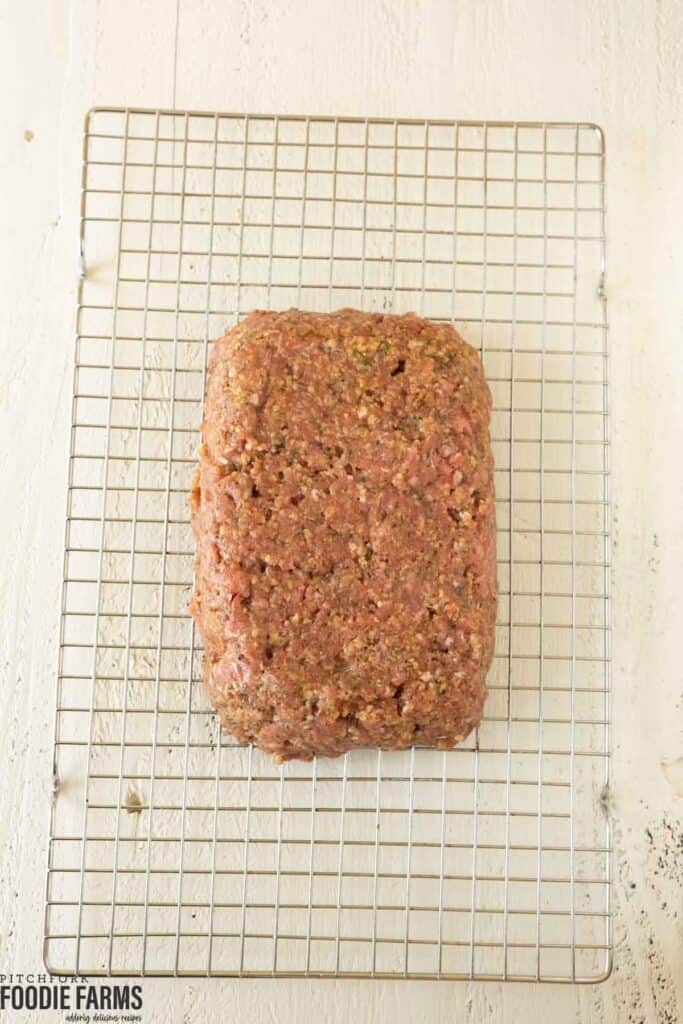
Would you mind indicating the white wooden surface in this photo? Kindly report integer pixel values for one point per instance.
(617, 62)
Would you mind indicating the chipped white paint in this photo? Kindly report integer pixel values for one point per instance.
(673, 773)
(617, 63)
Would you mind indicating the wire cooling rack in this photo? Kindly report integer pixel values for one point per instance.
(174, 851)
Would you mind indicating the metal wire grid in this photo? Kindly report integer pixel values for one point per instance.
(172, 850)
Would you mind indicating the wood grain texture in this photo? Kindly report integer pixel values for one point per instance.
(615, 63)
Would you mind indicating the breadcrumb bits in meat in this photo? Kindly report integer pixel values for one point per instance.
(345, 525)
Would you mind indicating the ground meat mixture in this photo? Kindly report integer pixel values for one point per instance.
(345, 526)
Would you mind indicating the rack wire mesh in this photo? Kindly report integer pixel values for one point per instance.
(174, 851)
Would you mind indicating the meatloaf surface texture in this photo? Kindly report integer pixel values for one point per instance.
(344, 517)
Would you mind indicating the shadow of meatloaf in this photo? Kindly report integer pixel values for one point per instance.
(345, 525)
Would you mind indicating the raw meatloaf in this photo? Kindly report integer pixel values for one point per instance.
(344, 518)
